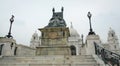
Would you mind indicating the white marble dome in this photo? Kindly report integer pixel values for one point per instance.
(73, 32)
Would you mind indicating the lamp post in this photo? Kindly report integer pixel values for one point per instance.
(11, 21)
(91, 31)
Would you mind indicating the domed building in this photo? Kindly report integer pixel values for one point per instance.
(112, 42)
(74, 40)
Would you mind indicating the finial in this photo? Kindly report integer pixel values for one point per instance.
(12, 18)
(71, 25)
(53, 10)
(89, 15)
(62, 9)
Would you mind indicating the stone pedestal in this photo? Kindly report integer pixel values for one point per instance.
(8, 46)
(54, 41)
(90, 48)
(56, 50)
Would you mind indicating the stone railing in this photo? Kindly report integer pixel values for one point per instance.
(107, 56)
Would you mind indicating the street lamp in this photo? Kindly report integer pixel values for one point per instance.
(91, 31)
(11, 21)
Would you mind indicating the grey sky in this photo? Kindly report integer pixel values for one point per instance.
(33, 14)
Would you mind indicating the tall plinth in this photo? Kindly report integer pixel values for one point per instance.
(54, 41)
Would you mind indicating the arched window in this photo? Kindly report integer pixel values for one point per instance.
(11, 45)
(34, 37)
(112, 35)
(42, 34)
(73, 50)
(1, 46)
(115, 46)
(15, 51)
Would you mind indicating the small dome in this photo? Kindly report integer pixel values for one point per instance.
(73, 32)
(35, 34)
(111, 31)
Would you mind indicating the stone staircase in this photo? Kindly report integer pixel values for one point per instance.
(82, 60)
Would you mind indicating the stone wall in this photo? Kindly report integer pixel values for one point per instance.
(59, 50)
(24, 51)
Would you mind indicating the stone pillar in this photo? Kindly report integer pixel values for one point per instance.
(8, 46)
(90, 48)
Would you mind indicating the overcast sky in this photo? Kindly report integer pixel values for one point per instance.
(33, 14)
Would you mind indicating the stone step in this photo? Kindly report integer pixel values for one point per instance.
(46, 62)
(49, 57)
(60, 59)
(49, 65)
(86, 60)
(83, 57)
